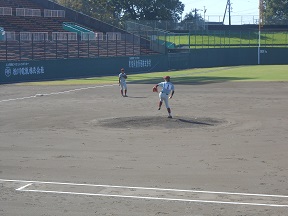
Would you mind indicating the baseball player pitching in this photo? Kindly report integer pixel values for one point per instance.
(167, 88)
(122, 83)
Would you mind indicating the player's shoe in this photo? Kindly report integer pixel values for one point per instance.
(159, 108)
(169, 116)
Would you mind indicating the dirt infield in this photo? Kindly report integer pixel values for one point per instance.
(85, 150)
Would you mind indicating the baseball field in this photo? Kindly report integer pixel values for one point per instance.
(76, 147)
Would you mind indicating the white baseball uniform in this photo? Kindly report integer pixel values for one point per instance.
(122, 81)
(167, 87)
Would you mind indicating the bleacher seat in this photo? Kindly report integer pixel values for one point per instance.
(103, 44)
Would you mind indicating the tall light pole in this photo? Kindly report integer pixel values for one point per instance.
(260, 21)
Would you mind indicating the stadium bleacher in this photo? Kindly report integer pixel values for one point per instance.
(29, 31)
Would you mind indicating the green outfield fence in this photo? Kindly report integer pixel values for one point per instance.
(224, 39)
(39, 70)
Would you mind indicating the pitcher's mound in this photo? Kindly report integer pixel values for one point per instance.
(159, 121)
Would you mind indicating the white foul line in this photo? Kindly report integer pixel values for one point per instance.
(157, 198)
(147, 188)
(54, 93)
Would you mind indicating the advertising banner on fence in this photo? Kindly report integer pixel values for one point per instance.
(25, 71)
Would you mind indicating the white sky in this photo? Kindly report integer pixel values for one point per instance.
(243, 11)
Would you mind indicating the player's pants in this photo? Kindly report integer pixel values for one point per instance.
(164, 97)
(123, 85)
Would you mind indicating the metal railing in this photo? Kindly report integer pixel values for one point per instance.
(35, 36)
(28, 12)
(63, 36)
(5, 11)
(54, 13)
(92, 36)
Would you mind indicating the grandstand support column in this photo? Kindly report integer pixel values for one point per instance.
(67, 47)
(44, 44)
(140, 47)
(165, 47)
(88, 46)
(116, 47)
(20, 50)
(6, 48)
(98, 46)
(78, 48)
(125, 47)
(32, 51)
(56, 47)
(107, 46)
(133, 44)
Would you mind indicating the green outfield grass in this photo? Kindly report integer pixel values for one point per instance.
(267, 73)
(233, 38)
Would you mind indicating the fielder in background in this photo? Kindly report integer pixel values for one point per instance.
(122, 83)
(167, 88)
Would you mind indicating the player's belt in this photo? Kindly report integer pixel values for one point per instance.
(164, 93)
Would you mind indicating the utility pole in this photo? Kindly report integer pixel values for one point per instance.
(195, 12)
(196, 17)
(229, 12)
(228, 5)
(204, 17)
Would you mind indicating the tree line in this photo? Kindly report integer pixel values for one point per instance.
(119, 11)
(274, 12)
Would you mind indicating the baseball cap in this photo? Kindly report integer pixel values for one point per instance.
(166, 77)
(122, 69)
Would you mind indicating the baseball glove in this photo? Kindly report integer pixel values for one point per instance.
(125, 76)
(155, 89)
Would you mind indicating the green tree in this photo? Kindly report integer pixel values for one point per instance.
(149, 10)
(121, 10)
(275, 12)
(99, 9)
